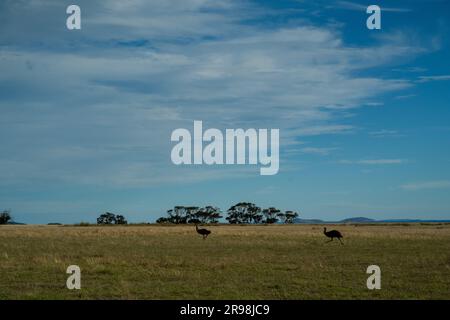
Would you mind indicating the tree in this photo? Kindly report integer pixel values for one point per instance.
(271, 215)
(5, 216)
(208, 214)
(120, 219)
(111, 218)
(162, 220)
(244, 212)
(107, 218)
(290, 216)
(240, 213)
(192, 214)
(182, 214)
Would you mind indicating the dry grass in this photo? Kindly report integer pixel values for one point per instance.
(235, 262)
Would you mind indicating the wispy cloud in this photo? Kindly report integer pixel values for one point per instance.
(323, 129)
(317, 151)
(359, 7)
(439, 184)
(373, 161)
(423, 79)
(384, 133)
(405, 96)
(410, 69)
(145, 69)
(374, 104)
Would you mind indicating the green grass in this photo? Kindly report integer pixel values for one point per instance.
(235, 262)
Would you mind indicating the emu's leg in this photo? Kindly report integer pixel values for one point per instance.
(341, 241)
(329, 240)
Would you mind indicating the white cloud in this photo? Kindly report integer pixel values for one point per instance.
(373, 161)
(439, 184)
(410, 69)
(323, 129)
(374, 104)
(384, 133)
(359, 7)
(109, 96)
(405, 96)
(423, 79)
(317, 151)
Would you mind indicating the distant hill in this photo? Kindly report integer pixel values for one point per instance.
(413, 221)
(367, 220)
(308, 221)
(348, 220)
(16, 223)
(357, 220)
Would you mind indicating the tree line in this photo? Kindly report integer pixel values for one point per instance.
(5, 216)
(111, 218)
(240, 213)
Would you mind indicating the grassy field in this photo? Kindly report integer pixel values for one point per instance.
(235, 262)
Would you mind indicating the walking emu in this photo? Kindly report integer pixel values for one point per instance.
(203, 232)
(333, 234)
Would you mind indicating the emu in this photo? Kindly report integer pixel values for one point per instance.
(203, 232)
(333, 234)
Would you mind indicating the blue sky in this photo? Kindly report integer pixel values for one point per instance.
(86, 115)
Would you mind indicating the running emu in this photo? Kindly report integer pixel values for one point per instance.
(333, 234)
(203, 232)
